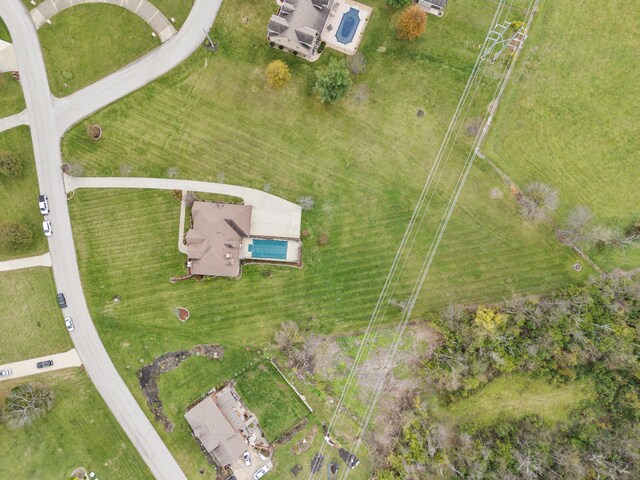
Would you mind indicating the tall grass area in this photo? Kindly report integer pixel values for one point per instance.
(87, 42)
(32, 324)
(19, 195)
(570, 115)
(78, 432)
(364, 163)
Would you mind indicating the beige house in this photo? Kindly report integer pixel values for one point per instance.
(433, 7)
(214, 241)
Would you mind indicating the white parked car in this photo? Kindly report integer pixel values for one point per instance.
(247, 459)
(69, 324)
(46, 228)
(5, 373)
(43, 203)
(261, 473)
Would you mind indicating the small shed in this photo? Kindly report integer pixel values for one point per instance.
(433, 7)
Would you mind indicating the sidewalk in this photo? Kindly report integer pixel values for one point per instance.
(25, 368)
(43, 260)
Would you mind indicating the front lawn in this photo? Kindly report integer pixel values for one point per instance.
(78, 432)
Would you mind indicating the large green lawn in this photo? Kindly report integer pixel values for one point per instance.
(11, 99)
(32, 323)
(364, 163)
(19, 195)
(78, 432)
(268, 396)
(570, 116)
(178, 9)
(80, 46)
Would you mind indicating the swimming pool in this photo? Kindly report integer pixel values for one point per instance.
(272, 249)
(348, 26)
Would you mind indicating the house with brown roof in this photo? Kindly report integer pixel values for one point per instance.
(214, 241)
(226, 428)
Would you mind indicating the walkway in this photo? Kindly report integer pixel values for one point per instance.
(43, 260)
(8, 62)
(24, 368)
(7, 123)
(142, 8)
(271, 216)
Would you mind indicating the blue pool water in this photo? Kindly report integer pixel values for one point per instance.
(348, 26)
(273, 249)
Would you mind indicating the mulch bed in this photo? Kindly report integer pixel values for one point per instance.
(148, 375)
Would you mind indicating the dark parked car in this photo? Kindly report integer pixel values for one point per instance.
(62, 301)
(46, 363)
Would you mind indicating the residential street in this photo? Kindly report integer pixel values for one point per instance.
(24, 368)
(47, 125)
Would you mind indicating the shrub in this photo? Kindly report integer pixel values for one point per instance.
(27, 402)
(11, 165)
(412, 23)
(332, 81)
(278, 74)
(398, 3)
(321, 46)
(15, 236)
(489, 319)
(537, 201)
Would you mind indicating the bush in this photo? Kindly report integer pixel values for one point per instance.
(11, 165)
(537, 201)
(27, 402)
(398, 3)
(278, 74)
(412, 23)
(321, 46)
(15, 236)
(332, 81)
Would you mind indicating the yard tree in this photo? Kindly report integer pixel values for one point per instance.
(332, 81)
(27, 402)
(278, 74)
(412, 23)
(537, 201)
(10, 164)
(489, 319)
(15, 236)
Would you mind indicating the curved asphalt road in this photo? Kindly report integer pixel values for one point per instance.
(49, 118)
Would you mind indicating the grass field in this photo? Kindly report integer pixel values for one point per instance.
(32, 324)
(178, 9)
(80, 47)
(268, 396)
(515, 396)
(19, 196)
(570, 118)
(78, 431)
(11, 99)
(364, 164)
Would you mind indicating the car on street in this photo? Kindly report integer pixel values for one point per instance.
(62, 301)
(69, 324)
(43, 203)
(46, 363)
(46, 228)
(5, 373)
(261, 473)
(247, 459)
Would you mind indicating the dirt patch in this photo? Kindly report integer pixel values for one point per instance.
(305, 442)
(296, 469)
(148, 376)
(182, 313)
(329, 357)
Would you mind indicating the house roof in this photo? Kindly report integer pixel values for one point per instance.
(214, 242)
(436, 3)
(300, 21)
(215, 432)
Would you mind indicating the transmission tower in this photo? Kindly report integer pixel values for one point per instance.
(501, 37)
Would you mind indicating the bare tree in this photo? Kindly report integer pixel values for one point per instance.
(27, 402)
(306, 203)
(288, 337)
(357, 63)
(537, 201)
(577, 222)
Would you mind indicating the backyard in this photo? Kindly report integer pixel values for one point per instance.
(11, 99)
(71, 435)
(337, 154)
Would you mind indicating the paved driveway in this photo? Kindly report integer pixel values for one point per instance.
(243, 472)
(24, 368)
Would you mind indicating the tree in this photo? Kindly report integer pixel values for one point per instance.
(288, 337)
(398, 3)
(15, 236)
(278, 74)
(537, 201)
(357, 63)
(11, 165)
(27, 402)
(577, 222)
(332, 81)
(489, 319)
(412, 23)
(306, 203)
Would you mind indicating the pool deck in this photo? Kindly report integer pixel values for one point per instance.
(339, 8)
